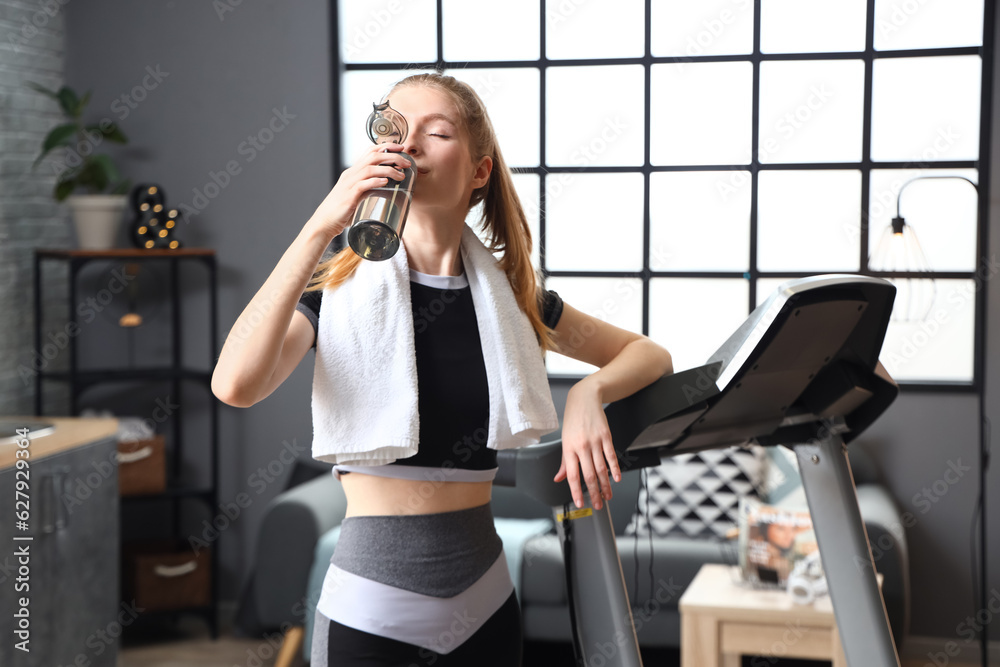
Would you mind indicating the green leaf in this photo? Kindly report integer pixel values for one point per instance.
(82, 104)
(107, 168)
(110, 132)
(61, 135)
(96, 173)
(123, 187)
(69, 101)
(91, 177)
(43, 90)
(63, 189)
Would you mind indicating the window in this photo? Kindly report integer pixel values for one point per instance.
(680, 160)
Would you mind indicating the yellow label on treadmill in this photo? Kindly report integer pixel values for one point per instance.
(575, 514)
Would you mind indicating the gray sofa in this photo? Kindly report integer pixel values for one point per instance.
(296, 520)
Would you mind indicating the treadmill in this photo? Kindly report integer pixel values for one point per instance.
(801, 372)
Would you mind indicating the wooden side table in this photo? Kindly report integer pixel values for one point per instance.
(722, 620)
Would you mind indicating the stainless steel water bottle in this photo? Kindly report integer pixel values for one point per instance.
(377, 228)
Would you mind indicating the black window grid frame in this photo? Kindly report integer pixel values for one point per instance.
(866, 165)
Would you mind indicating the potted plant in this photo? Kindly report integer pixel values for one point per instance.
(97, 212)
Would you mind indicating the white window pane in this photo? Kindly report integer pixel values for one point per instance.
(388, 31)
(594, 116)
(614, 300)
(594, 29)
(699, 221)
(512, 27)
(359, 90)
(941, 347)
(765, 286)
(811, 111)
(808, 220)
(511, 97)
(527, 186)
(700, 113)
(938, 349)
(693, 317)
(941, 212)
(594, 222)
(473, 220)
(926, 109)
(704, 28)
(927, 25)
(812, 26)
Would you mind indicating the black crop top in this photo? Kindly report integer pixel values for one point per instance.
(453, 395)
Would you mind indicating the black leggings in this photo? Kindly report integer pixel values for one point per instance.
(497, 643)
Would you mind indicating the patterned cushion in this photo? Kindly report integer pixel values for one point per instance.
(697, 495)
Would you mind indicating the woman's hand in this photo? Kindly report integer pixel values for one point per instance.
(586, 441)
(372, 170)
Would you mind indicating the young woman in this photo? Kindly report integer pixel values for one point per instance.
(425, 583)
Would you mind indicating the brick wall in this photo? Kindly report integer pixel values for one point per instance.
(32, 48)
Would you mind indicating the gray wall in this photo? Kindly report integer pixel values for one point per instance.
(219, 79)
(225, 76)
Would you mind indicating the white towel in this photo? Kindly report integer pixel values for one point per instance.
(364, 400)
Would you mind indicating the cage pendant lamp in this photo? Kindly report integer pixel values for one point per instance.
(899, 251)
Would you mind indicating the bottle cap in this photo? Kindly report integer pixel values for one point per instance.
(386, 125)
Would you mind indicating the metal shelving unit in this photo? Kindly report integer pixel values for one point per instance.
(174, 373)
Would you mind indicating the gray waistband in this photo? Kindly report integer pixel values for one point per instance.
(439, 554)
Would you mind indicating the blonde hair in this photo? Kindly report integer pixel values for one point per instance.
(503, 219)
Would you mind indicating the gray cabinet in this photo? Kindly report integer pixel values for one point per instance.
(75, 612)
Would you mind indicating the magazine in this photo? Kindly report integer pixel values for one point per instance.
(772, 541)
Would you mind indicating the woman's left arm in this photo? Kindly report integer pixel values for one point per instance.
(627, 362)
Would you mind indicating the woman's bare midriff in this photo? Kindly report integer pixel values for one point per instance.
(370, 495)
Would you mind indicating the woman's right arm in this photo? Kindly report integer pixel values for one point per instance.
(266, 343)
(254, 345)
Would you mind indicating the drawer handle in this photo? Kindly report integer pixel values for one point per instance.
(138, 455)
(175, 570)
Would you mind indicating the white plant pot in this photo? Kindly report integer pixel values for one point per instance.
(97, 219)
